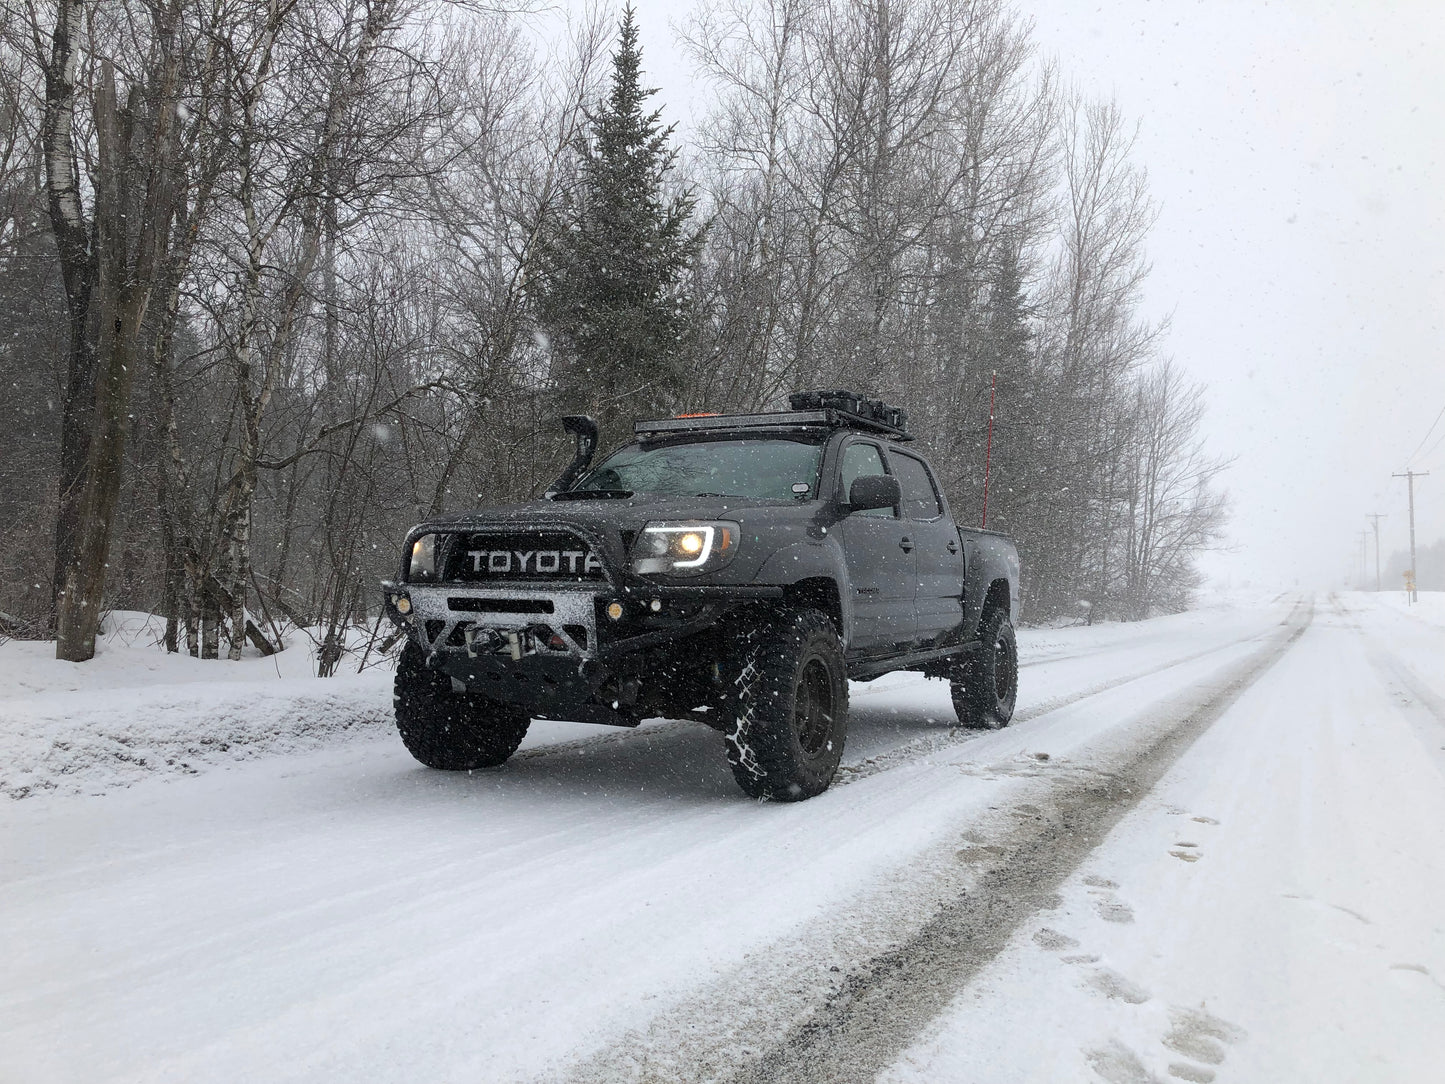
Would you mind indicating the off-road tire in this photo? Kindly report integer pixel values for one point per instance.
(789, 706)
(985, 687)
(450, 730)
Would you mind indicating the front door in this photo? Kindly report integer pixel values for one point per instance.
(881, 561)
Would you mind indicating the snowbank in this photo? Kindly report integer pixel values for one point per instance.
(1429, 606)
(135, 710)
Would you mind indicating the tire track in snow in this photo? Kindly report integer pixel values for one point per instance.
(857, 1033)
(921, 748)
(1417, 700)
(839, 1008)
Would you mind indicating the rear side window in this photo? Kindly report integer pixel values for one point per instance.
(920, 500)
(860, 460)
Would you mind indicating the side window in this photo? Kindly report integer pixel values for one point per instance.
(920, 500)
(860, 460)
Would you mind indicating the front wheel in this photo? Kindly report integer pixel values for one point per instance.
(789, 706)
(986, 687)
(453, 731)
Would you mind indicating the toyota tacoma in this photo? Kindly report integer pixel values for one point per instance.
(736, 570)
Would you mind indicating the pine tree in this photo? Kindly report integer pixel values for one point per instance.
(610, 284)
(1004, 348)
(1010, 341)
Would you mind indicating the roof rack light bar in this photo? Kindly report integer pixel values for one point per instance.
(775, 420)
(734, 421)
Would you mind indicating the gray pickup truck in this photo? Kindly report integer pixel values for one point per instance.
(736, 570)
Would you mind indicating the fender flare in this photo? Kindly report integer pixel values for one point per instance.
(812, 559)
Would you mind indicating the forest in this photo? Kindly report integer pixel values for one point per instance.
(279, 278)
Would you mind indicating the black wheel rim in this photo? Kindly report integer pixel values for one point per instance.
(813, 708)
(1005, 669)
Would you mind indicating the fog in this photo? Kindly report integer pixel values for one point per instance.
(1296, 152)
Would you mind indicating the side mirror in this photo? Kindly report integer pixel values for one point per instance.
(874, 491)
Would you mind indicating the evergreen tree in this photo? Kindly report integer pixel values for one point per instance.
(1004, 346)
(609, 288)
(1010, 341)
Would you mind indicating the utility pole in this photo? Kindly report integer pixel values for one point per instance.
(1376, 517)
(1364, 536)
(1410, 476)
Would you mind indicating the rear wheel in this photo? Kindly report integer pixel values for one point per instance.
(985, 687)
(453, 731)
(789, 707)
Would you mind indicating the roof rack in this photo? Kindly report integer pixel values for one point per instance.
(830, 409)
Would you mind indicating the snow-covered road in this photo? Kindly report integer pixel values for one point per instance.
(607, 907)
(1273, 910)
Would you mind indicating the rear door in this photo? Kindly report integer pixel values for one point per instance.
(937, 550)
(881, 564)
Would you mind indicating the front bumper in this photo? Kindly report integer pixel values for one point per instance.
(552, 649)
(525, 620)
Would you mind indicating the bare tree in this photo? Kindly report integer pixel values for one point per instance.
(312, 228)
(1174, 509)
(109, 252)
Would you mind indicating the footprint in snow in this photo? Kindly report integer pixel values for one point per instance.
(1118, 988)
(1204, 820)
(1201, 1035)
(1117, 1064)
(1113, 909)
(1053, 941)
(1108, 906)
(1195, 1074)
(1187, 852)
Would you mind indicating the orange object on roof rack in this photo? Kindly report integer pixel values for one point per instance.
(704, 414)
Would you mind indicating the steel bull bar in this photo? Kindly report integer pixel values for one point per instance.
(540, 643)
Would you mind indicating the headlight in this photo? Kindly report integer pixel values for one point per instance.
(423, 564)
(689, 547)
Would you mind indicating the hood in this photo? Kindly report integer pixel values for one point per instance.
(615, 513)
(610, 525)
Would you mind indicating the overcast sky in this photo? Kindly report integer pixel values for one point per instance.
(1296, 150)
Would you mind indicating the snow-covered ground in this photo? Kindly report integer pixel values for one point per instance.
(135, 711)
(1273, 910)
(308, 903)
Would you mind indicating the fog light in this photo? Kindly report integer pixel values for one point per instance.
(614, 610)
(402, 604)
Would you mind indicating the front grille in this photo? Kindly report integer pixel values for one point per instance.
(515, 557)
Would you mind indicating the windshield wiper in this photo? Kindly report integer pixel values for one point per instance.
(593, 494)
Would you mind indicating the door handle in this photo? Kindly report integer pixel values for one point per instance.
(953, 547)
(906, 544)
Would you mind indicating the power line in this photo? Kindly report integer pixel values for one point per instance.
(1411, 457)
(1426, 457)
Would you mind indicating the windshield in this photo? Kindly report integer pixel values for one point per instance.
(760, 469)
